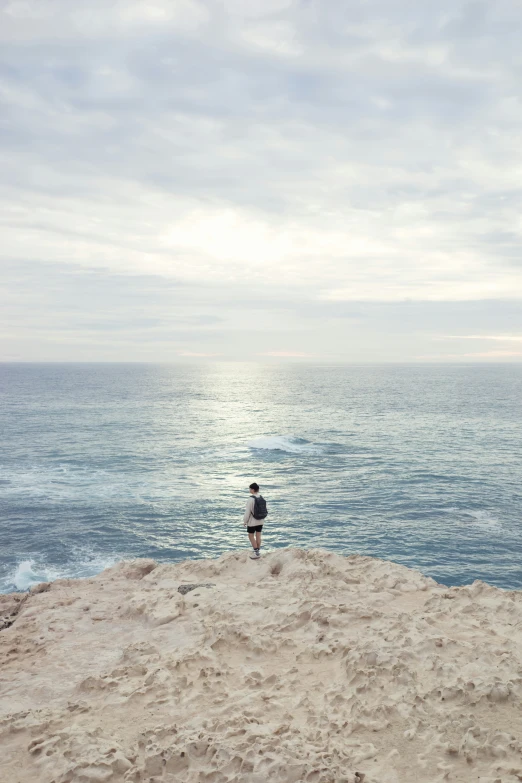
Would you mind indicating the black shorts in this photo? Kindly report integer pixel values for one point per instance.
(254, 528)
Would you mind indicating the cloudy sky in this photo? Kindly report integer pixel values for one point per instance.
(316, 180)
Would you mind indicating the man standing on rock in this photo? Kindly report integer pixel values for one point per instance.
(253, 520)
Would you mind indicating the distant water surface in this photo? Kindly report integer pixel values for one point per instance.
(417, 464)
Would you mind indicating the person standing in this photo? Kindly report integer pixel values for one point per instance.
(255, 513)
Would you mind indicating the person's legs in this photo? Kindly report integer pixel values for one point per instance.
(258, 539)
(252, 537)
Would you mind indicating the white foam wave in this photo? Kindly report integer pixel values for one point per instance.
(26, 575)
(62, 483)
(484, 519)
(284, 443)
(29, 572)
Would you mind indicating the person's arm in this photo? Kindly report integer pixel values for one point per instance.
(248, 511)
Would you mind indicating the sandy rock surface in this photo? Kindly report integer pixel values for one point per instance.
(303, 666)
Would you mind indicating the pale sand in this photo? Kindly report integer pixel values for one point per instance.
(304, 666)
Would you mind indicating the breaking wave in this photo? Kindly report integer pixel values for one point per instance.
(28, 572)
(285, 443)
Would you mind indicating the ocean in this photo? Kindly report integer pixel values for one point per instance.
(419, 464)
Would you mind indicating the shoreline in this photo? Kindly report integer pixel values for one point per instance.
(31, 574)
(305, 665)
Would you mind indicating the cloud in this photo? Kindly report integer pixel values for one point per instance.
(477, 355)
(276, 162)
(196, 355)
(494, 354)
(517, 338)
(287, 354)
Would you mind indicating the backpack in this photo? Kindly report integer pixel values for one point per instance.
(259, 511)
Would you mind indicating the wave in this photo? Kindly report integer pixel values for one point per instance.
(29, 572)
(27, 575)
(477, 518)
(285, 443)
(484, 519)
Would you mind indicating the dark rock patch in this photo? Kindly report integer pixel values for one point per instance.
(10, 605)
(184, 589)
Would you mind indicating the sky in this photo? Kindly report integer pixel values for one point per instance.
(261, 180)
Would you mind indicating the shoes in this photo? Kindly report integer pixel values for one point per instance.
(256, 555)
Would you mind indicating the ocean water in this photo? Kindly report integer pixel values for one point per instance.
(417, 464)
